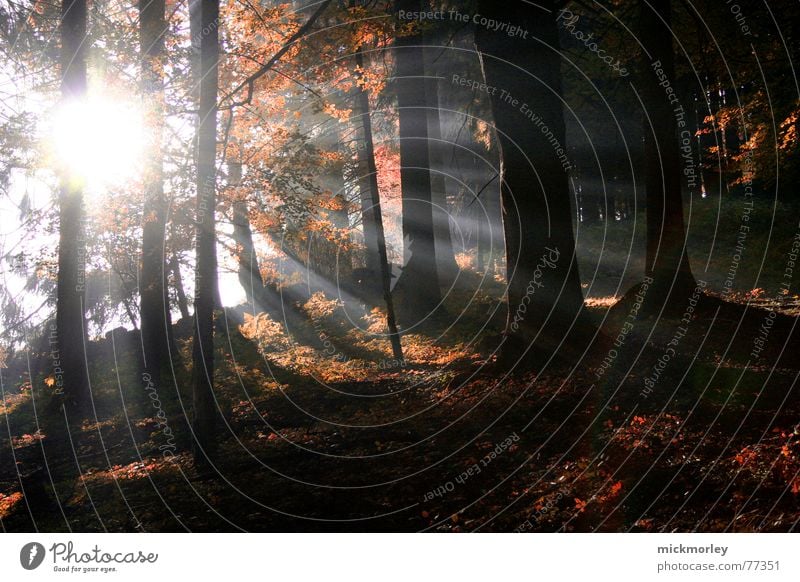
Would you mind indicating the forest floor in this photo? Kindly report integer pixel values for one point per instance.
(345, 438)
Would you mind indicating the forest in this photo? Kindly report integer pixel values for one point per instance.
(399, 266)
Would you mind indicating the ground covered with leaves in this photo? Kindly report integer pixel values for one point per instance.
(662, 425)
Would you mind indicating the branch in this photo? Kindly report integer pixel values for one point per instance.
(265, 68)
(478, 195)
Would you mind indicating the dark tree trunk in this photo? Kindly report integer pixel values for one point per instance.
(590, 211)
(69, 364)
(610, 207)
(249, 272)
(445, 257)
(484, 212)
(481, 246)
(419, 283)
(667, 261)
(128, 305)
(366, 182)
(206, 36)
(544, 291)
(369, 183)
(154, 305)
(587, 180)
(630, 202)
(180, 293)
(281, 307)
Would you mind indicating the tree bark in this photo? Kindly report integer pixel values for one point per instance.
(588, 181)
(154, 305)
(480, 244)
(280, 306)
(180, 293)
(205, 35)
(544, 292)
(445, 257)
(366, 182)
(419, 282)
(369, 183)
(667, 260)
(69, 363)
(249, 272)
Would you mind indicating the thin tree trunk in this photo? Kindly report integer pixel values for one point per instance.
(263, 298)
(480, 266)
(204, 421)
(587, 183)
(69, 364)
(180, 292)
(280, 307)
(370, 182)
(610, 208)
(544, 292)
(590, 211)
(365, 182)
(154, 306)
(667, 261)
(249, 272)
(129, 312)
(419, 282)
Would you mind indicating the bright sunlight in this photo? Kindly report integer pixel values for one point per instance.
(100, 142)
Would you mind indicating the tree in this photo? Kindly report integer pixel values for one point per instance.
(435, 37)
(419, 272)
(369, 184)
(205, 37)
(71, 365)
(667, 259)
(154, 303)
(447, 267)
(260, 297)
(367, 181)
(544, 290)
(177, 281)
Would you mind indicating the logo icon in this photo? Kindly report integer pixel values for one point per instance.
(31, 555)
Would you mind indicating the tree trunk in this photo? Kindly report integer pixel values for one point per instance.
(370, 184)
(70, 364)
(366, 181)
(419, 282)
(445, 257)
(206, 37)
(180, 293)
(249, 272)
(280, 306)
(154, 305)
(667, 261)
(481, 243)
(590, 211)
(544, 292)
(587, 182)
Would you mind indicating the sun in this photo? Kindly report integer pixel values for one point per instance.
(99, 141)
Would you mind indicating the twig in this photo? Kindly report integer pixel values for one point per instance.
(265, 68)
